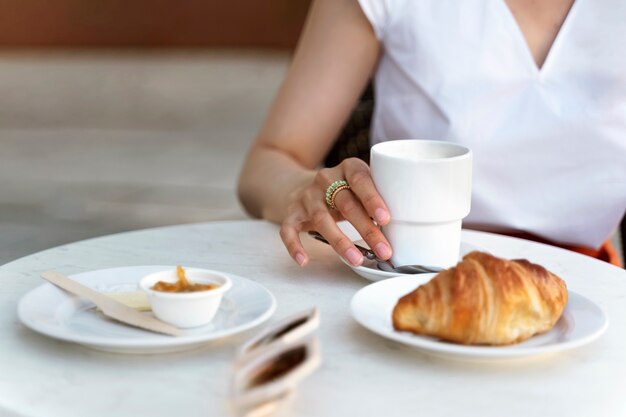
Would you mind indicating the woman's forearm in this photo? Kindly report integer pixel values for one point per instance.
(268, 181)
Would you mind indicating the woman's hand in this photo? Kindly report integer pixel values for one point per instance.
(307, 210)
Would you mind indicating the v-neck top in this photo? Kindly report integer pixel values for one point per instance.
(549, 144)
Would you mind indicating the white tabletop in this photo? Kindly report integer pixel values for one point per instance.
(362, 374)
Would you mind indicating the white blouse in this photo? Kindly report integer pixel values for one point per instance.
(549, 144)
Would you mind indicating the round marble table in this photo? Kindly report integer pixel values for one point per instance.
(362, 374)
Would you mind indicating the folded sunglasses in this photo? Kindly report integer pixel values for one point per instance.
(269, 367)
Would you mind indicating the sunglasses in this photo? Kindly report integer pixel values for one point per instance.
(270, 365)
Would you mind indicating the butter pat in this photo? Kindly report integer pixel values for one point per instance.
(133, 299)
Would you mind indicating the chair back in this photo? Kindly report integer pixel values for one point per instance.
(354, 138)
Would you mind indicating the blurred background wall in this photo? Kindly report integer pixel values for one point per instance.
(151, 23)
(121, 115)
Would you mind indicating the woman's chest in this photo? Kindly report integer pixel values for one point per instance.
(466, 65)
(539, 23)
(445, 43)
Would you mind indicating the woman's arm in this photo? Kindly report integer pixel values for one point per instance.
(336, 56)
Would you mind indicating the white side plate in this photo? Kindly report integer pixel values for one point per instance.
(58, 314)
(582, 322)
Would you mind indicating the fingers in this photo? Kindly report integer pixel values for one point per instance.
(320, 219)
(358, 175)
(290, 235)
(357, 205)
(352, 210)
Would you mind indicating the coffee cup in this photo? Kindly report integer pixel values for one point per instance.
(426, 185)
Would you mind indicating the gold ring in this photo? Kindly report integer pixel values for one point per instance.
(332, 191)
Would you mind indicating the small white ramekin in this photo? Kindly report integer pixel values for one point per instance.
(186, 310)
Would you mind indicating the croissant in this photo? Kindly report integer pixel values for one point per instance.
(484, 300)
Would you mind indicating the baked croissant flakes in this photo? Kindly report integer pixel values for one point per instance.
(484, 300)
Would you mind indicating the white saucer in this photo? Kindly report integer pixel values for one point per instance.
(582, 322)
(58, 314)
(370, 271)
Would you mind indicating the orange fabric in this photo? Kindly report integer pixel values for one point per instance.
(606, 252)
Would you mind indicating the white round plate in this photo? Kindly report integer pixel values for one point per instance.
(370, 271)
(61, 315)
(582, 322)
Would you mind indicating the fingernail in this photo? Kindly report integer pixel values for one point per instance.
(300, 258)
(381, 215)
(382, 250)
(354, 256)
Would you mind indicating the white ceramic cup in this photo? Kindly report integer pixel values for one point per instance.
(426, 185)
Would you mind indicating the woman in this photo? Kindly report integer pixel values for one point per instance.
(536, 89)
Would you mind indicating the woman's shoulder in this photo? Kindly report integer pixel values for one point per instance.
(382, 13)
